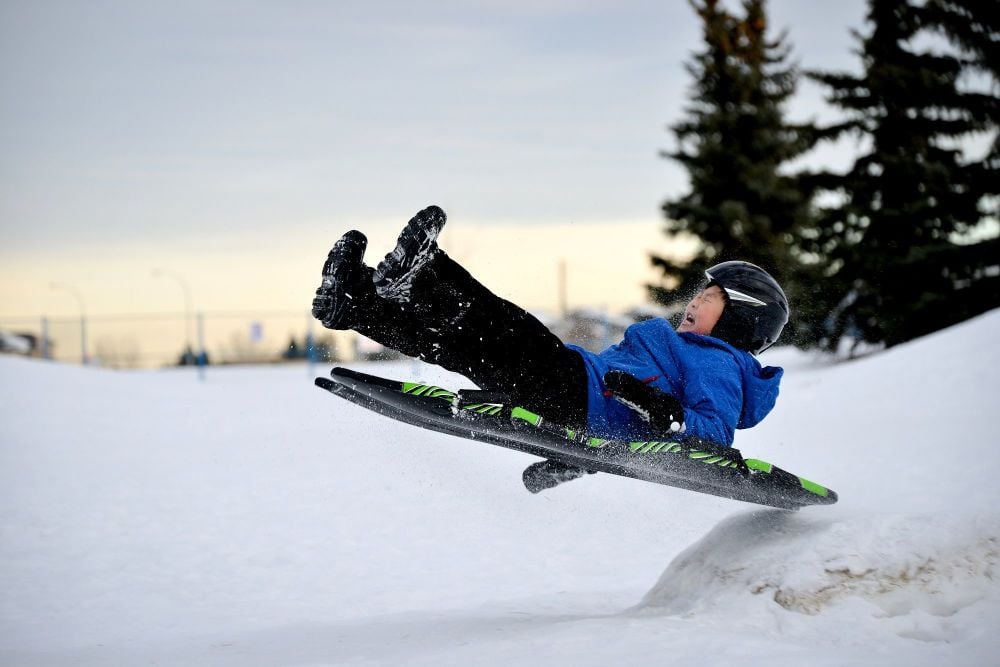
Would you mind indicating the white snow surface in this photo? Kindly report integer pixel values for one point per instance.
(252, 519)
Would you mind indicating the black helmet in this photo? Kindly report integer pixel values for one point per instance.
(756, 307)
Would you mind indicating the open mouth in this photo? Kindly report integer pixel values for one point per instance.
(689, 318)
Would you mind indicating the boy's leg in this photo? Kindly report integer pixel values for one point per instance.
(498, 345)
(453, 321)
(446, 317)
(465, 328)
(346, 299)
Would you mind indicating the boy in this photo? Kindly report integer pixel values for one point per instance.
(702, 378)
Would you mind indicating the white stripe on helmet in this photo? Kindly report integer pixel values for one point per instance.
(746, 298)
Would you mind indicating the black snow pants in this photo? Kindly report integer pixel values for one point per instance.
(455, 322)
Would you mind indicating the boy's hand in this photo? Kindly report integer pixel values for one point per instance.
(661, 410)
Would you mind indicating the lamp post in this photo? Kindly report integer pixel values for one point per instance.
(83, 317)
(187, 303)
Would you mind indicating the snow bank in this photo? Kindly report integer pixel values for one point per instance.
(914, 544)
(901, 566)
(254, 520)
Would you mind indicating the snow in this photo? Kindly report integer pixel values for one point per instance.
(252, 519)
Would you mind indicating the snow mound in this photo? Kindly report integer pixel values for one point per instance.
(914, 544)
(901, 564)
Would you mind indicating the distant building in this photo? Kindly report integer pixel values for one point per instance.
(591, 329)
(595, 330)
(649, 311)
(26, 344)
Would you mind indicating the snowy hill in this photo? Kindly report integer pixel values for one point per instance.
(252, 519)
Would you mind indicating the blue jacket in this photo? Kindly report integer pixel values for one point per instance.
(721, 388)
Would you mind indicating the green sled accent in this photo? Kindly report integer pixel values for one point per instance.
(484, 408)
(814, 487)
(756, 464)
(418, 389)
(526, 416)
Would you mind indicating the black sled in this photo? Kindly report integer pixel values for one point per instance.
(688, 463)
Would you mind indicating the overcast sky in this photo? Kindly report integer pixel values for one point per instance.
(205, 135)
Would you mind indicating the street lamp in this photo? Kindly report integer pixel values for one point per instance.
(83, 316)
(187, 302)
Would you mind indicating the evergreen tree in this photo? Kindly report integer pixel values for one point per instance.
(976, 33)
(733, 143)
(899, 247)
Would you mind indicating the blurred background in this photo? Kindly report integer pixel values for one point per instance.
(172, 175)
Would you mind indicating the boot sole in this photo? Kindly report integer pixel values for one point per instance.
(415, 247)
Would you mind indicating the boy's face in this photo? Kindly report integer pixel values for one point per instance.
(703, 312)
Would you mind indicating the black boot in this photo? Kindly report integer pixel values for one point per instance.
(415, 247)
(345, 280)
(548, 474)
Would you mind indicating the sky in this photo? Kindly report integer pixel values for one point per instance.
(231, 143)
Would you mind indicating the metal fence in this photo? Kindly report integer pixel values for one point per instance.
(238, 337)
(171, 339)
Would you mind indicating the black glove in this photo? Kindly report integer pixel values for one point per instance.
(661, 410)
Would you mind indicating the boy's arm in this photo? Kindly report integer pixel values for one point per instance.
(705, 419)
(708, 417)
(714, 404)
(660, 410)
